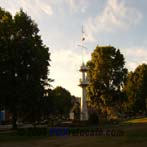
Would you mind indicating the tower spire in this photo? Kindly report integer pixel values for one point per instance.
(83, 34)
(81, 45)
(83, 82)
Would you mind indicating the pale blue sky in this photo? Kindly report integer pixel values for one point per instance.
(120, 23)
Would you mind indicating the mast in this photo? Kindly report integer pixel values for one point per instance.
(83, 81)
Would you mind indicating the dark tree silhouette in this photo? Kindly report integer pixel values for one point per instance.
(24, 61)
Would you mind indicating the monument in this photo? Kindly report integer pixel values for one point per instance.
(83, 84)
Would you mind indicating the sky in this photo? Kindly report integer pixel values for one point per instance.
(119, 23)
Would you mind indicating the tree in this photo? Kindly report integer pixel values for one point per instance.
(57, 103)
(135, 89)
(62, 101)
(5, 24)
(106, 76)
(24, 61)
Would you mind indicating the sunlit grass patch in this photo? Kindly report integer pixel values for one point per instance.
(138, 120)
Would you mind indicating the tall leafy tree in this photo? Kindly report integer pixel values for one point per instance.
(6, 23)
(24, 61)
(62, 101)
(57, 103)
(106, 76)
(135, 90)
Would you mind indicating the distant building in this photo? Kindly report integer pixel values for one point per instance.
(75, 111)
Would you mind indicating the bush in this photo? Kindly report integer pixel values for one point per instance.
(93, 118)
(33, 132)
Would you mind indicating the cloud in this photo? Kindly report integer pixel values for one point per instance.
(137, 53)
(64, 69)
(35, 8)
(45, 7)
(135, 56)
(116, 15)
(78, 5)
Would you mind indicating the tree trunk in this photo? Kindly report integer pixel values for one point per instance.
(14, 119)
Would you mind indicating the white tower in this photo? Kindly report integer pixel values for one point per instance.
(83, 84)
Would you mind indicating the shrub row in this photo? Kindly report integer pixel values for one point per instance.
(33, 132)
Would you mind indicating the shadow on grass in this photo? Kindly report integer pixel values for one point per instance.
(14, 136)
(135, 132)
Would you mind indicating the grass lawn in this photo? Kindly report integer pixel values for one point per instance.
(135, 135)
(138, 120)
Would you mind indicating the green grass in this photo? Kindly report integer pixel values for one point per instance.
(135, 121)
(135, 134)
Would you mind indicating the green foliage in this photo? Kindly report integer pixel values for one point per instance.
(24, 61)
(106, 76)
(62, 101)
(57, 103)
(93, 118)
(135, 90)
